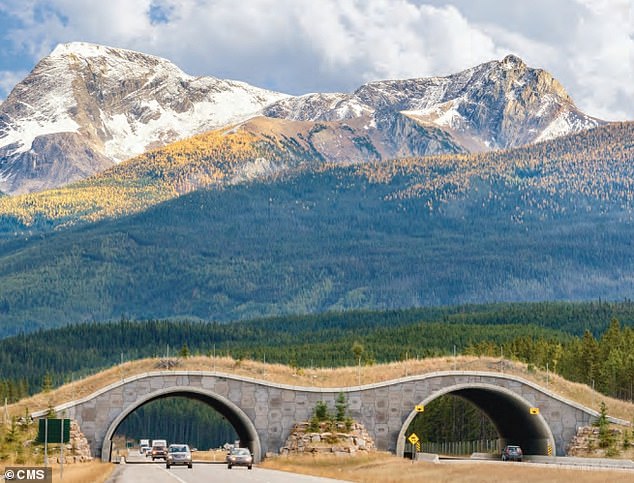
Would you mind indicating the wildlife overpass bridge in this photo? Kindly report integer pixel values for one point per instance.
(263, 413)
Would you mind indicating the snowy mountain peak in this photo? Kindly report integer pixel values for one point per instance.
(116, 103)
(111, 60)
(499, 104)
(513, 62)
(84, 49)
(86, 107)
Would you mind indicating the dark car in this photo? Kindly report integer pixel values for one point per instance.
(158, 451)
(239, 457)
(178, 454)
(512, 453)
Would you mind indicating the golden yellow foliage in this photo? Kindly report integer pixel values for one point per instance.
(596, 163)
(159, 175)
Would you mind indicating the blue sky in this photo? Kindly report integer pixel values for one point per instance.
(300, 46)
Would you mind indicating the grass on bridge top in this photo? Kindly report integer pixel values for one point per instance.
(324, 377)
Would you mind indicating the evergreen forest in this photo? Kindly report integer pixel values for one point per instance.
(584, 342)
(332, 241)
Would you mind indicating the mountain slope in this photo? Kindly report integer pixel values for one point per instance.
(552, 221)
(86, 107)
(595, 162)
(258, 149)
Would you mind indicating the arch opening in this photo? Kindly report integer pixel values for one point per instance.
(509, 413)
(177, 419)
(452, 425)
(240, 422)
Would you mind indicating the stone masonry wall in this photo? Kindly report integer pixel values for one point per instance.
(272, 410)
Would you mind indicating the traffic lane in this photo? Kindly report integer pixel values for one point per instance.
(261, 475)
(203, 473)
(150, 473)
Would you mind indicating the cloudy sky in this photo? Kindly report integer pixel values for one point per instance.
(300, 46)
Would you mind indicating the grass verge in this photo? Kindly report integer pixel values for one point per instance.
(386, 468)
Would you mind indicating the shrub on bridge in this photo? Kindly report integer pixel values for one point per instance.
(321, 415)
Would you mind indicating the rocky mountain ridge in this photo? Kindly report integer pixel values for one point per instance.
(86, 107)
(495, 105)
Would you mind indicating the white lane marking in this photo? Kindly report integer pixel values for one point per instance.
(172, 475)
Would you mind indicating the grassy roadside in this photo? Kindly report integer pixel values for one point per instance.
(386, 468)
(92, 472)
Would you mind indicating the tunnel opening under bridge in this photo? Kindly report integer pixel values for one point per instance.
(515, 420)
(239, 421)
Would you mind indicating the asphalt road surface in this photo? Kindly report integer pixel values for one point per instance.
(142, 470)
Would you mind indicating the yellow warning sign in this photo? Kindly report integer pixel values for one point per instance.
(419, 408)
(534, 410)
(413, 438)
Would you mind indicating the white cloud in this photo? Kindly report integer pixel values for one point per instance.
(302, 46)
(602, 57)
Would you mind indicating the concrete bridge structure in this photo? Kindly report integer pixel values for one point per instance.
(263, 413)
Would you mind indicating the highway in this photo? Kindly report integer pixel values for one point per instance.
(141, 470)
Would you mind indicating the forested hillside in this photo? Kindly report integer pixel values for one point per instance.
(318, 242)
(596, 162)
(279, 234)
(553, 334)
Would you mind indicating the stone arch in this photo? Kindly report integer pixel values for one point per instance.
(236, 416)
(509, 412)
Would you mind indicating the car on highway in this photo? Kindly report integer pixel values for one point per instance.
(159, 450)
(512, 452)
(239, 457)
(144, 449)
(178, 454)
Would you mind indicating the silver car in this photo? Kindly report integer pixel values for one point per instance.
(178, 454)
(239, 457)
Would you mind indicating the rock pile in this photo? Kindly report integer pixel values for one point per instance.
(328, 440)
(586, 441)
(78, 449)
(581, 441)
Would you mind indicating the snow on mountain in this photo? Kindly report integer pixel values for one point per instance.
(565, 123)
(86, 107)
(34, 114)
(499, 104)
(319, 107)
(116, 103)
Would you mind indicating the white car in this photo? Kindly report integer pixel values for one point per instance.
(178, 454)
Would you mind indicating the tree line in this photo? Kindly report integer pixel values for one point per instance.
(586, 342)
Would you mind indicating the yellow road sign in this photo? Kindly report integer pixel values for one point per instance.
(534, 410)
(419, 408)
(413, 438)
